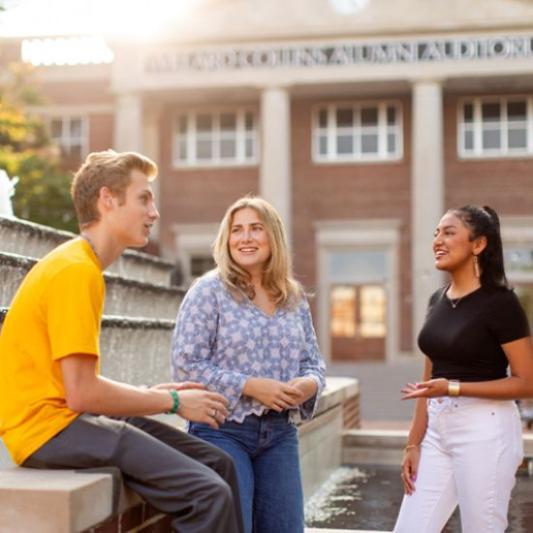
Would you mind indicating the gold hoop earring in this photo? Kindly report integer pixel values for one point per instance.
(476, 267)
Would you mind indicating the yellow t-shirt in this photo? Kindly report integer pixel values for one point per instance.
(56, 312)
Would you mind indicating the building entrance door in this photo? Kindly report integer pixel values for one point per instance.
(358, 322)
(357, 300)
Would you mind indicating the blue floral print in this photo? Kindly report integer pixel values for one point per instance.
(221, 343)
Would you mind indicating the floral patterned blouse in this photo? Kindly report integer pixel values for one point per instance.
(221, 343)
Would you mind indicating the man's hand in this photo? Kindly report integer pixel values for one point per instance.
(203, 406)
(184, 385)
(274, 394)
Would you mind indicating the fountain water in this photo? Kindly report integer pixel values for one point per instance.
(7, 190)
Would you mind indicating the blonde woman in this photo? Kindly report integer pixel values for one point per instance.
(245, 330)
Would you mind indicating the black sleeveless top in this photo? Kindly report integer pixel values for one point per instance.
(464, 342)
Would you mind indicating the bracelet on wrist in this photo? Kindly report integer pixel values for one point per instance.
(175, 402)
(410, 447)
(454, 387)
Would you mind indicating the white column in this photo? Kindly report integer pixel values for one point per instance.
(137, 130)
(150, 148)
(275, 173)
(427, 195)
(128, 123)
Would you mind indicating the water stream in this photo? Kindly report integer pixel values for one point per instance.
(369, 496)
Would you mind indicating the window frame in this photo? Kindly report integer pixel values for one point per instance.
(193, 240)
(382, 130)
(504, 152)
(216, 134)
(65, 141)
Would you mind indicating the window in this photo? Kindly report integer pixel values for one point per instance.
(373, 311)
(495, 127)
(358, 311)
(357, 132)
(518, 259)
(200, 264)
(519, 267)
(342, 301)
(70, 133)
(216, 138)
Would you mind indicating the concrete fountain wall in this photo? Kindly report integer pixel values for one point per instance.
(136, 335)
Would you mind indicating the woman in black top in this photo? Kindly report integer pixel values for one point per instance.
(465, 442)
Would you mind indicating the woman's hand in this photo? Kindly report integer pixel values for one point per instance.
(274, 394)
(434, 388)
(411, 458)
(308, 386)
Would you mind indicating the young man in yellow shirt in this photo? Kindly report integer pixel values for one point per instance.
(57, 411)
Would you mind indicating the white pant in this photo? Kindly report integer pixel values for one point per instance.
(469, 456)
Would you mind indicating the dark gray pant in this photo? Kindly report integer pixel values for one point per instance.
(175, 472)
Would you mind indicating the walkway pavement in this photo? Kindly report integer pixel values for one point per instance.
(313, 530)
(380, 385)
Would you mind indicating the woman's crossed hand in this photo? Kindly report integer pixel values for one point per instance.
(276, 395)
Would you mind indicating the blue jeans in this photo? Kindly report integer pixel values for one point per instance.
(265, 451)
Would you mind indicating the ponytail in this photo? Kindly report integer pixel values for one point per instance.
(484, 222)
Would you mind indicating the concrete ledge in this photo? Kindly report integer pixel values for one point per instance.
(53, 501)
(365, 446)
(124, 296)
(320, 449)
(315, 530)
(81, 501)
(528, 445)
(361, 446)
(35, 240)
(337, 391)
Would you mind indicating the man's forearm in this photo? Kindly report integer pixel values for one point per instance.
(107, 397)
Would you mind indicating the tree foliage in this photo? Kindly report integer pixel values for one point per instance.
(42, 194)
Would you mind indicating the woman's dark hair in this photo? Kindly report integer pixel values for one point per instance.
(484, 221)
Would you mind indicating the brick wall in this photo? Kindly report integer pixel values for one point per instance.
(349, 191)
(350, 413)
(506, 184)
(141, 518)
(196, 195)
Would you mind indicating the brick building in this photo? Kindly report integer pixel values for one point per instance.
(362, 121)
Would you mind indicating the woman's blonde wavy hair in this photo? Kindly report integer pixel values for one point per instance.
(278, 279)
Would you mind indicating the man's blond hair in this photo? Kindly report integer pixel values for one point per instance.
(105, 169)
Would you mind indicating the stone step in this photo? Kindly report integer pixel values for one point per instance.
(51, 501)
(34, 240)
(320, 530)
(374, 446)
(25, 494)
(136, 350)
(362, 446)
(124, 297)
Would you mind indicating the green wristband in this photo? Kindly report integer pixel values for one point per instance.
(175, 402)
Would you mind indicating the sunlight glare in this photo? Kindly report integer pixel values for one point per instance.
(66, 51)
(113, 19)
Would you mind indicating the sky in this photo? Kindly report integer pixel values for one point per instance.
(137, 19)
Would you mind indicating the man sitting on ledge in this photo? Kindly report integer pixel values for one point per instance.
(56, 411)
